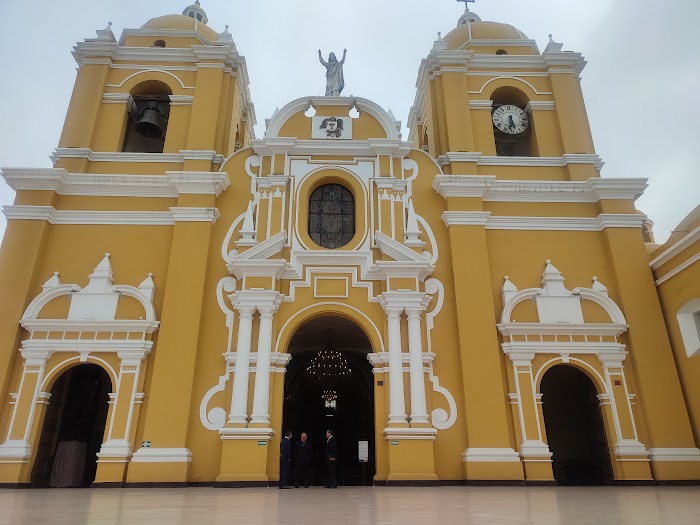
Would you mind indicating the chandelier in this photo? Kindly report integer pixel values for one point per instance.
(329, 365)
(330, 395)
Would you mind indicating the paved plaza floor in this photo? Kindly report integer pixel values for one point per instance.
(354, 505)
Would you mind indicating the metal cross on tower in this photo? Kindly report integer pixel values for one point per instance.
(466, 3)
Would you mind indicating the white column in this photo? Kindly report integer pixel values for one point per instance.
(239, 398)
(261, 395)
(419, 413)
(397, 405)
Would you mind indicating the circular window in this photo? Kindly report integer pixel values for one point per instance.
(331, 216)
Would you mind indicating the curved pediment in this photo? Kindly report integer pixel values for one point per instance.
(370, 122)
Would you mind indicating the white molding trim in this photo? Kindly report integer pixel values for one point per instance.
(410, 433)
(465, 218)
(259, 434)
(484, 160)
(674, 454)
(490, 455)
(109, 156)
(583, 224)
(481, 104)
(676, 248)
(346, 148)
(544, 105)
(173, 184)
(192, 214)
(687, 264)
(162, 455)
(127, 218)
(495, 190)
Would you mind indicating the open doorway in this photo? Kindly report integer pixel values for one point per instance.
(73, 428)
(575, 428)
(329, 384)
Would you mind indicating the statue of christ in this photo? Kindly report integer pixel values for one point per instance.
(334, 74)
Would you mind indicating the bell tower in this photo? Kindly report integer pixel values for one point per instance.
(174, 90)
(488, 101)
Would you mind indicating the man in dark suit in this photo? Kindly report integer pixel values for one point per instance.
(285, 459)
(303, 454)
(331, 459)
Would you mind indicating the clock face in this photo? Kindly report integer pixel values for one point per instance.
(510, 119)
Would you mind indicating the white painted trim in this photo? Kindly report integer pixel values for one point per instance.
(410, 433)
(544, 105)
(490, 455)
(677, 247)
(193, 214)
(540, 162)
(255, 434)
(683, 266)
(132, 218)
(688, 324)
(162, 455)
(674, 454)
(110, 156)
(465, 218)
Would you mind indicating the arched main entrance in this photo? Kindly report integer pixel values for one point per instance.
(575, 429)
(329, 384)
(73, 428)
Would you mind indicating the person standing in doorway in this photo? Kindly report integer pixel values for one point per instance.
(285, 459)
(331, 459)
(303, 454)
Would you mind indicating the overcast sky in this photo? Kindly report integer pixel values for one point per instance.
(642, 82)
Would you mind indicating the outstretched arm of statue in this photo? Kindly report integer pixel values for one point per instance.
(345, 52)
(320, 57)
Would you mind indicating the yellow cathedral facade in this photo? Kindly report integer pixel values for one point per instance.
(475, 304)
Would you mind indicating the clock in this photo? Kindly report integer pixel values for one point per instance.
(510, 119)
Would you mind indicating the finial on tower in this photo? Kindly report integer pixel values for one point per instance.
(195, 11)
(468, 17)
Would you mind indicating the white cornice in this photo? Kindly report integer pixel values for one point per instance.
(137, 218)
(198, 182)
(346, 148)
(678, 269)
(109, 156)
(481, 104)
(590, 224)
(192, 214)
(174, 183)
(483, 160)
(123, 346)
(676, 248)
(562, 329)
(74, 326)
(495, 190)
(545, 105)
(465, 218)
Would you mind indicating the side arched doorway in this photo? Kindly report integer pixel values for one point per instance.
(329, 384)
(73, 428)
(575, 428)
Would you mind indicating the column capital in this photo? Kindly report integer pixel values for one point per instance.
(133, 357)
(35, 356)
(244, 310)
(262, 300)
(612, 359)
(521, 358)
(408, 301)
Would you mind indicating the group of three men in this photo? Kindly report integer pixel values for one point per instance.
(303, 456)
